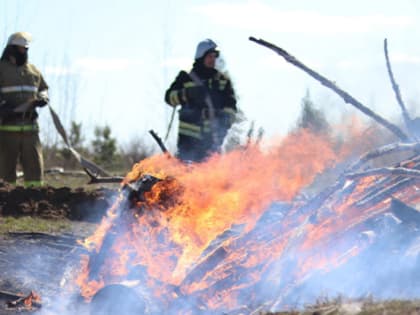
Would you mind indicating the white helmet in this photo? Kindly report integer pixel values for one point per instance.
(20, 39)
(205, 46)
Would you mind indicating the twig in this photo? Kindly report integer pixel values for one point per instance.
(249, 134)
(396, 88)
(260, 135)
(324, 81)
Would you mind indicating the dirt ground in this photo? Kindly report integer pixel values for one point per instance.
(55, 203)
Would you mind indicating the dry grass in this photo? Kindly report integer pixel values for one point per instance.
(358, 307)
(30, 224)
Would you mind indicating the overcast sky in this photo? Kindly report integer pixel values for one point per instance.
(110, 62)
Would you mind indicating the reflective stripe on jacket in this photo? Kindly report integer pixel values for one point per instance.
(20, 83)
(19, 128)
(190, 130)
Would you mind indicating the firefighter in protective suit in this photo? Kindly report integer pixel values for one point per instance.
(208, 105)
(22, 90)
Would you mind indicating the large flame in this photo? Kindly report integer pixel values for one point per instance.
(225, 190)
(170, 233)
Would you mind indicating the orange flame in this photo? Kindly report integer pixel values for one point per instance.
(33, 297)
(235, 188)
(169, 231)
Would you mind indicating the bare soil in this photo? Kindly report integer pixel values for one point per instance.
(55, 203)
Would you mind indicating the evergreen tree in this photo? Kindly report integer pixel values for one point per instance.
(104, 147)
(312, 118)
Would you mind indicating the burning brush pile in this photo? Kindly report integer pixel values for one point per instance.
(239, 233)
(258, 229)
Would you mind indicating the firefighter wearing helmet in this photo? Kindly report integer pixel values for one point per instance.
(208, 105)
(22, 90)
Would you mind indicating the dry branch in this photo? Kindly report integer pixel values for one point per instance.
(350, 173)
(159, 141)
(387, 149)
(396, 88)
(395, 171)
(324, 81)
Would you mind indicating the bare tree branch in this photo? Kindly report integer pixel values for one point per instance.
(396, 88)
(324, 81)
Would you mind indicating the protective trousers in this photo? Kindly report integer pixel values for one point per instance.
(25, 147)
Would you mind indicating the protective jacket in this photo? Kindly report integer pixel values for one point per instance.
(195, 133)
(19, 85)
(22, 88)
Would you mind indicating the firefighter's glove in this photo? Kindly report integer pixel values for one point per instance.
(195, 94)
(40, 102)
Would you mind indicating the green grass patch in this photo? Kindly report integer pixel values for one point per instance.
(30, 224)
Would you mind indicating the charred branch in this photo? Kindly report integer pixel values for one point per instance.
(159, 141)
(386, 171)
(351, 174)
(408, 215)
(387, 149)
(30, 301)
(331, 85)
(383, 193)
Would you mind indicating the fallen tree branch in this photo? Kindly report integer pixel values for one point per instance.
(324, 81)
(396, 88)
